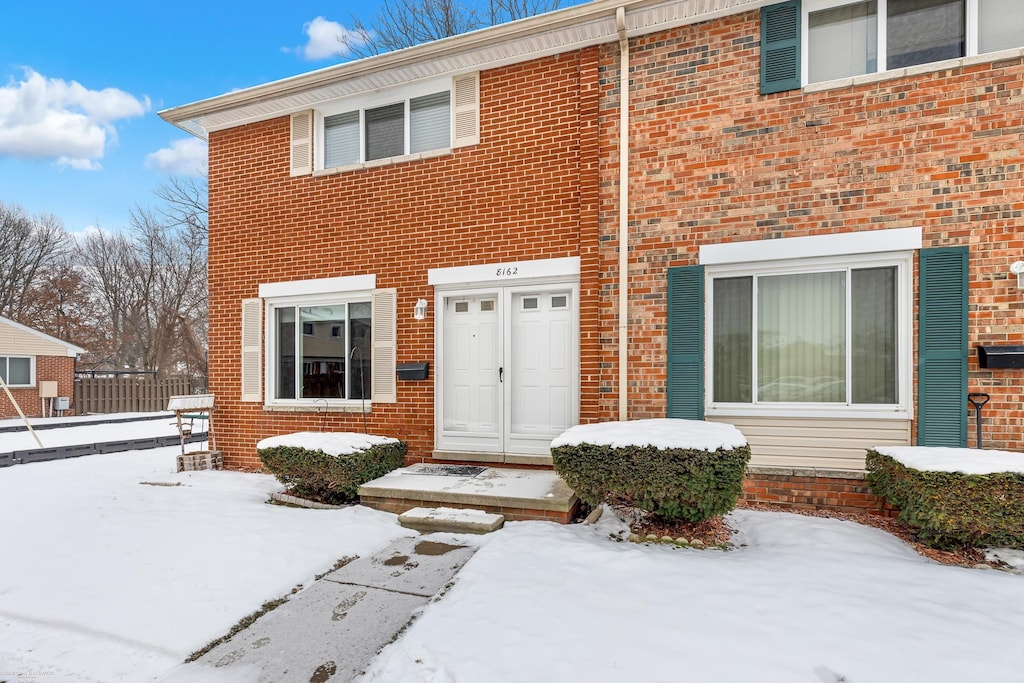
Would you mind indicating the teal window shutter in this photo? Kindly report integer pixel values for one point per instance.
(686, 342)
(780, 47)
(942, 348)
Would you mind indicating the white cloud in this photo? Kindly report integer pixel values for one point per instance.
(183, 157)
(80, 164)
(328, 39)
(56, 119)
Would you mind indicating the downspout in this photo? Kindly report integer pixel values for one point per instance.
(620, 25)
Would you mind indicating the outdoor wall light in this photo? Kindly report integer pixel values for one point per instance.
(1017, 268)
(419, 311)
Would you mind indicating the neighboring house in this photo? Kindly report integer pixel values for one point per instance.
(811, 218)
(33, 363)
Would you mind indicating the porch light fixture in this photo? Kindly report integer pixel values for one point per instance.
(1017, 268)
(419, 311)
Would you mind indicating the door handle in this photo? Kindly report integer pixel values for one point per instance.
(501, 374)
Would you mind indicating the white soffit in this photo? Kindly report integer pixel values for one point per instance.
(813, 246)
(531, 38)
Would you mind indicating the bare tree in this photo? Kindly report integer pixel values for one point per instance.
(185, 202)
(30, 247)
(404, 23)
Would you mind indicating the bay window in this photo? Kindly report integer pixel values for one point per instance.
(811, 334)
(847, 39)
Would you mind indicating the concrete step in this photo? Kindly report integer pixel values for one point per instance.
(516, 494)
(451, 520)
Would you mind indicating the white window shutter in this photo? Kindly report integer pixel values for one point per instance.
(252, 345)
(385, 385)
(466, 110)
(302, 143)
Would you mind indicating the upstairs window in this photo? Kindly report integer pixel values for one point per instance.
(848, 39)
(419, 124)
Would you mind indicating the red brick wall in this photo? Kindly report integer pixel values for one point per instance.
(810, 492)
(527, 191)
(714, 161)
(48, 368)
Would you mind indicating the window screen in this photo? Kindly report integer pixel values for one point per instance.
(341, 139)
(385, 131)
(429, 122)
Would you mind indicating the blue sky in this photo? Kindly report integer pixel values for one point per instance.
(81, 85)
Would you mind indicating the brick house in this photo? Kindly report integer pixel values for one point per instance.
(32, 363)
(808, 212)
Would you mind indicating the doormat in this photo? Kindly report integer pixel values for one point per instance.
(450, 470)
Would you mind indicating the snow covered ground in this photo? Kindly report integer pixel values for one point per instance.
(802, 599)
(104, 578)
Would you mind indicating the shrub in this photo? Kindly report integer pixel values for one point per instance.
(675, 484)
(952, 508)
(326, 478)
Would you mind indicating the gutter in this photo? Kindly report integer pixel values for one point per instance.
(620, 25)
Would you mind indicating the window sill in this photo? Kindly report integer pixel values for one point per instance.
(389, 161)
(915, 70)
(810, 413)
(317, 408)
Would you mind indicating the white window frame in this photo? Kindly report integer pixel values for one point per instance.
(345, 289)
(361, 103)
(903, 409)
(971, 39)
(31, 370)
(270, 356)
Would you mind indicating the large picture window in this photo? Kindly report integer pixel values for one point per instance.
(848, 39)
(822, 333)
(16, 371)
(321, 350)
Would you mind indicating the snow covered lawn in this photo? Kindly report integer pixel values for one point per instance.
(804, 599)
(103, 578)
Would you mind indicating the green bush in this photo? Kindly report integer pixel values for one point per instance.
(674, 483)
(951, 508)
(332, 479)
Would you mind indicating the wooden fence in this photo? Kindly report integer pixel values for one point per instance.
(132, 394)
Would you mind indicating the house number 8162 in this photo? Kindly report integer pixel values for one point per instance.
(507, 271)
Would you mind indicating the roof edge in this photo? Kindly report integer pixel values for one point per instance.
(72, 349)
(184, 116)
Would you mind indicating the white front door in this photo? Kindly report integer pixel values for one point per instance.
(508, 371)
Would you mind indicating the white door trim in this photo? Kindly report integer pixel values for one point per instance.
(503, 290)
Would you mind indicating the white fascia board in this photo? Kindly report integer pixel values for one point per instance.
(327, 285)
(814, 246)
(512, 271)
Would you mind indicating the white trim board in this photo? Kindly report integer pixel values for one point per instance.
(507, 271)
(814, 246)
(327, 285)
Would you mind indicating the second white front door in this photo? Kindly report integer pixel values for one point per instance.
(508, 371)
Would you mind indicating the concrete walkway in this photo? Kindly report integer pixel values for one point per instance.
(333, 629)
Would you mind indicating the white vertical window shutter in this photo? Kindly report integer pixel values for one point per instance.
(385, 385)
(252, 356)
(466, 110)
(302, 143)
